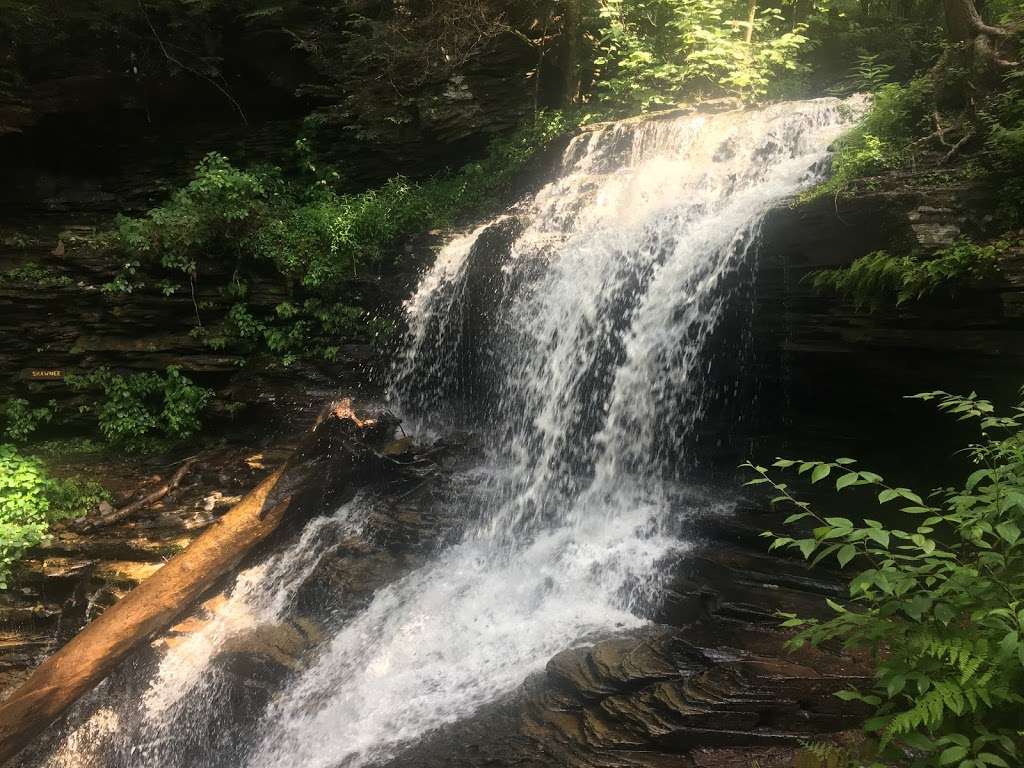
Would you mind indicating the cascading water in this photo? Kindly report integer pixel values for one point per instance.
(594, 341)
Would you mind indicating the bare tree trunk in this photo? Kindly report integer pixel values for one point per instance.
(571, 31)
(751, 18)
(316, 478)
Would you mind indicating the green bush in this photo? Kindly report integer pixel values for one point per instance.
(880, 279)
(30, 500)
(140, 404)
(883, 140)
(212, 212)
(937, 598)
(20, 420)
(654, 53)
(315, 238)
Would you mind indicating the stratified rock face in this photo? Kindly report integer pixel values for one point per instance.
(677, 690)
(821, 373)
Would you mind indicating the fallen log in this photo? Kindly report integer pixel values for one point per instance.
(316, 478)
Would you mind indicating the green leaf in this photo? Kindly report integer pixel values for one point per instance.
(820, 472)
(846, 554)
(1008, 532)
(851, 478)
(991, 759)
(888, 495)
(807, 547)
(952, 755)
(881, 537)
(909, 495)
(975, 478)
(895, 684)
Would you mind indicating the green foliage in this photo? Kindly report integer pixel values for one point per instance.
(879, 279)
(20, 419)
(937, 598)
(136, 406)
(653, 53)
(64, 447)
(23, 507)
(868, 75)
(36, 276)
(883, 140)
(213, 211)
(30, 499)
(1002, 122)
(317, 240)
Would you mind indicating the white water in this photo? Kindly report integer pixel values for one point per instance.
(261, 596)
(631, 242)
(613, 289)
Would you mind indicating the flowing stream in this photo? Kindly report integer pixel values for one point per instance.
(573, 332)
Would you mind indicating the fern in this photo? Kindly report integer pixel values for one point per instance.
(880, 278)
(941, 605)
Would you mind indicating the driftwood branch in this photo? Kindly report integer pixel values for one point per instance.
(955, 149)
(127, 511)
(315, 479)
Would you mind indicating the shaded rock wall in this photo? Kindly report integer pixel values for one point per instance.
(820, 376)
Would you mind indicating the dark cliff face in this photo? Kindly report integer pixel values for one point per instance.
(104, 107)
(833, 376)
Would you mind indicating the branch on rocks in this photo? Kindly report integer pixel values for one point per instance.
(955, 149)
(127, 511)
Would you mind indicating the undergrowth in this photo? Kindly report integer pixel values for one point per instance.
(936, 598)
(318, 241)
(138, 405)
(30, 500)
(883, 140)
(881, 279)
(36, 276)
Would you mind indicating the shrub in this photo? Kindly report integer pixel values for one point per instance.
(651, 54)
(316, 239)
(36, 276)
(137, 405)
(30, 500)
(880, 278)
(882, 141)
(937, 598)
(213, 211)
(21, 420)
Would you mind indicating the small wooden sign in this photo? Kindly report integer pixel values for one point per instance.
(44, 374)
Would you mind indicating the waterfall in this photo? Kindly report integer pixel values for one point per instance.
(585, 366)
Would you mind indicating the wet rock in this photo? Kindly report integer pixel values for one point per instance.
(267, 652)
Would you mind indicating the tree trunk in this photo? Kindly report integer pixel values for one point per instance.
(962, 20)
(315, 479)
(979, 42)
(571, 31)
(751, 18)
